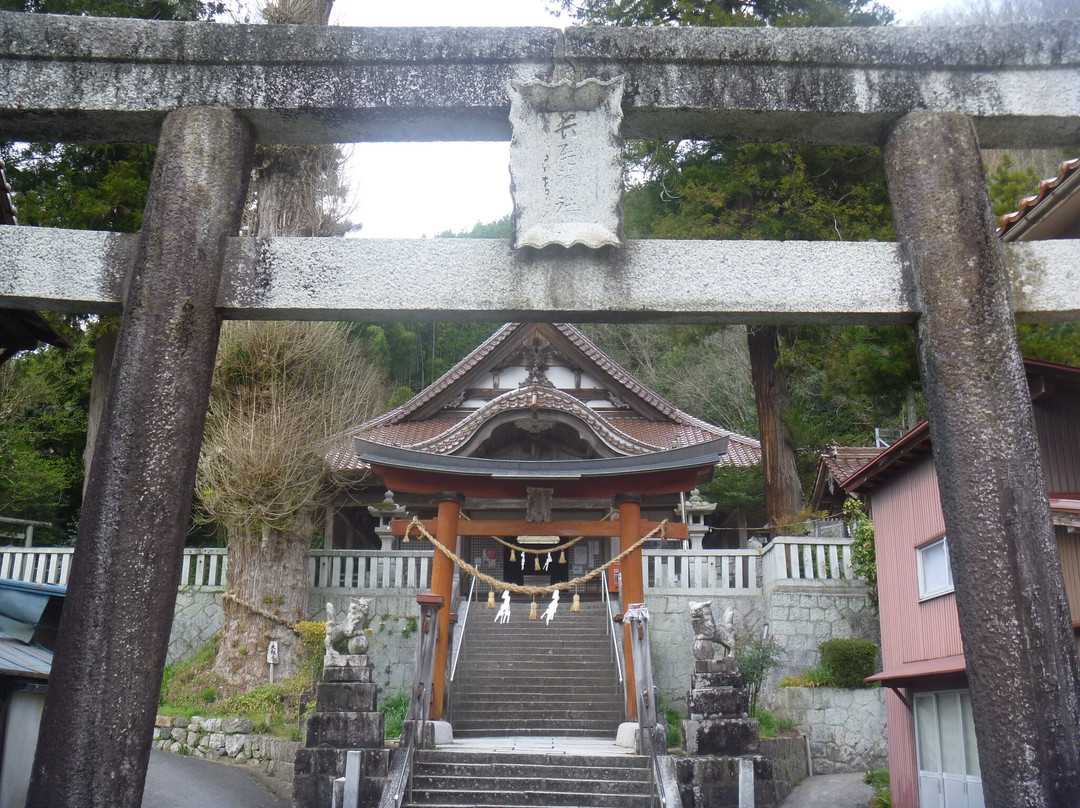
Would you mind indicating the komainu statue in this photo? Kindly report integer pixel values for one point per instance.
(707, 631)
(346, 636)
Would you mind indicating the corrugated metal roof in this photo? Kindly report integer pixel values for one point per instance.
(21, 659)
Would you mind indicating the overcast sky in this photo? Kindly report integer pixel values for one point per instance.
(409, 190)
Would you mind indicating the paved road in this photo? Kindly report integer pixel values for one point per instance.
(173, 781)
(830, 791)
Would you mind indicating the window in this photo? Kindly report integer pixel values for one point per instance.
(935, 570)
(949, 775)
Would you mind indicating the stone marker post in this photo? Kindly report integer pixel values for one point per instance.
(1021, 658)
(95, 736)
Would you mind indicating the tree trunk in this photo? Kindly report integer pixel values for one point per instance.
(266, 595)
(269, 573)
(783, 490)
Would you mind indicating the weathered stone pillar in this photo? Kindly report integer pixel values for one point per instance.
(442, 583)
(103, 691)
(1021, 657)
(632, 589)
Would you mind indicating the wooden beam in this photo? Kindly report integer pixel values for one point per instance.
(567, 529)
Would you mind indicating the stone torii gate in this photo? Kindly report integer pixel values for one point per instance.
(207, 93)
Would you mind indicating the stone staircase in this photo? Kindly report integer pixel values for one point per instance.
(525, 677)
(443, 779)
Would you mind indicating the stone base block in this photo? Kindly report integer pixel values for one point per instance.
(718, 702)
(346, 730)
(315, 771)
(725, 665)
(701, 681)
(346, 674)
(344, 697)
(713, 782)
(720, 736)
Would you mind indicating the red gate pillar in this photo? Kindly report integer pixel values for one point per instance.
(632, 589)
(442, 582)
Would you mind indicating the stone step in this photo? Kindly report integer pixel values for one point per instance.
(558, 780)
(527, 797)
(461, 767)
(502, 727)
(520, 758)
(533, 717)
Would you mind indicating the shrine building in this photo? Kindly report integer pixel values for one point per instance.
(537, 441)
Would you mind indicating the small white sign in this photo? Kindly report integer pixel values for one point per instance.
(272, 652)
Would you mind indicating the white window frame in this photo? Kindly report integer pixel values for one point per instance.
(936, 788)
(920, 559)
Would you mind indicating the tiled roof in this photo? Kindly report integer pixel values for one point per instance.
(1046, 188)
(627, 431)
(836, 466)
(843, 461)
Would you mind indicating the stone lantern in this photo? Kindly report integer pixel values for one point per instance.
(386, 511)
(695, 509)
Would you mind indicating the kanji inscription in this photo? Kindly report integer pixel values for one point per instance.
(566, 163)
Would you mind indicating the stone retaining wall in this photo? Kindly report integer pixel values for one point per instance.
(788, 756)
(230, 740)
(393, 624)
(846, 727)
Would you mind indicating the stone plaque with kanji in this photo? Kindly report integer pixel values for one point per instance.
(566, 164)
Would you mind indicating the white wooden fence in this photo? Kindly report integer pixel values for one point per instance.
(665, 571)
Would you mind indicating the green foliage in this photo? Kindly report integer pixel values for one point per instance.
(849, 661)
(863, 554)
(756, 657)
(878, 779)
(728, 12)
(44, 398)
(1051, 342)
(738, 488)
(817, 676)
(673, 722)
(1009, 184)
(394, 708)
(410, 628)
(141, 9)
(769, 726)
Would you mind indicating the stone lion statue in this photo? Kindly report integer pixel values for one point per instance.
(346, 635)
(707, 631)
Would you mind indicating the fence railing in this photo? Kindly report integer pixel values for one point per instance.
(670, 571)
(369, 569)
(700, 571)
(36, 565)
(805, 559)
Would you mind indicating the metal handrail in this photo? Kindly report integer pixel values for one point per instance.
(657, 777)
(404, 774)
(461, 628)
(611, 629)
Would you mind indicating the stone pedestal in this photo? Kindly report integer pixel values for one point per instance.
(718, 737)
(345, 718)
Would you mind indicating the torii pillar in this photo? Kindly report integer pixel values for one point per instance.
(632, 589)
(442, 583)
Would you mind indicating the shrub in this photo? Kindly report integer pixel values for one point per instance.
(811, 677)
(849, 661)
(755, 659)
(674, 721)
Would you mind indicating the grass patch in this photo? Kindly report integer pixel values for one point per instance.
(673, 719)
(811, 677)
(191, 688)
(394, 708)
(879, 780)
(769, 726)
